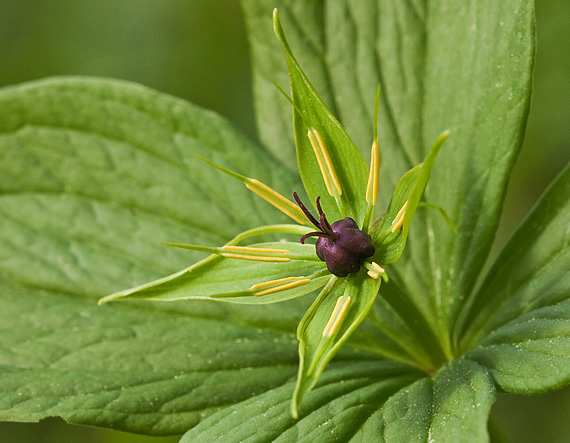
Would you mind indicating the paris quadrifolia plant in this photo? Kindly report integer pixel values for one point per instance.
(346, 262)
(406, 330)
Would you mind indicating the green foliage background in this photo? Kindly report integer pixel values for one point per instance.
(198, 51)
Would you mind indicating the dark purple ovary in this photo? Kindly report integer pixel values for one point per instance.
(342, 246)
(344, 251)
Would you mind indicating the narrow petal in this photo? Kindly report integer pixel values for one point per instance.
(271, 196)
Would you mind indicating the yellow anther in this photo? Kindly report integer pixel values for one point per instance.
(259, 250)
(373, 176)
(399, 219)
(324, 161)
(279, 285)
(256, 258)
(247, 249)
(375, 270)
(321, 163)
(274, 198)
(337, 316)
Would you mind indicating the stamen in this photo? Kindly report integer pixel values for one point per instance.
(264, 258)
(337, 316)
(399, 219)
(258, 250)
(373, 176)
(278, 285)
(328, 161)
(374, 270)
(257, 258)
(324, 161)
(321, 163)
(277, 200)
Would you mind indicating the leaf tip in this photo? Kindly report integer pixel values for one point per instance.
(442, 137)
(276, 23)
(105, 299)
(294, 409)
(278, 29)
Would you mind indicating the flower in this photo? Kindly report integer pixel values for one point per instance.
(346, 262)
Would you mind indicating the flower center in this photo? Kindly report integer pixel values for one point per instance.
(342, 246)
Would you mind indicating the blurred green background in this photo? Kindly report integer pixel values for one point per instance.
(197, 50)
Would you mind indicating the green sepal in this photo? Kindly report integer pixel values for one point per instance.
(225, 279)
(316, 348)
(348, 163)
(305, 252)
(390, 245)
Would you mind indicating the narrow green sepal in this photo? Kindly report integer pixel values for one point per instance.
(233, 280)
(338, 310)
(346, 171)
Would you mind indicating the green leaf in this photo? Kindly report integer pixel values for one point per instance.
(363, 402)
(518, 320)
(347, 168)
(217, 278)
(530, 273)
(109, 169)
(482, 94)
(331, 319)
(132, 368)
(453, 407)
(396, 329)
(94, 176)
(529, 355)
(343, 406)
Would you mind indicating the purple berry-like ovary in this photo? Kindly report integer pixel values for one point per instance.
(342, 246)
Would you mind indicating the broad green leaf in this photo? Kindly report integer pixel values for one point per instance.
(218, 278)
(453, 407)
(529, 355)
(531, 271)
(362, 402)
(481, 93)
(518, 320)
(343, 406)
(131, 368)
(335, 314)
(94, 176)
(346, 170)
